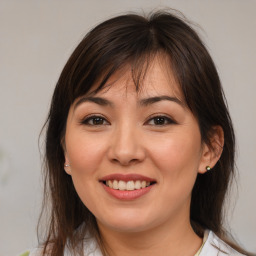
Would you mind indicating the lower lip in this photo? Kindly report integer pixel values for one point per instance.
(127, 194)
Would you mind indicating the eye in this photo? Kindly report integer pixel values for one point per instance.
(160, 121)
(95, 121)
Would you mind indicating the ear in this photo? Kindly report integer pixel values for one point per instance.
(67, 166)
(211, 152)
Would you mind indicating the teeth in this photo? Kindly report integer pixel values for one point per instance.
(130, 185)
(115, 184)
(137, 184)
(110, 183)
(122, 185)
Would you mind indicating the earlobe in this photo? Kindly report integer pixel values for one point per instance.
(211, 153)
(67, 167)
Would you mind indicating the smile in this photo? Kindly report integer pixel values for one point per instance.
(129, 185)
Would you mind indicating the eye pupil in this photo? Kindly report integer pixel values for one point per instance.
(159, 120)
(97, 120)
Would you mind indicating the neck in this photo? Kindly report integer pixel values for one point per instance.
(176, 240)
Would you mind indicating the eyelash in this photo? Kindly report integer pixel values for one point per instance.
(86, 120)
(165, 119)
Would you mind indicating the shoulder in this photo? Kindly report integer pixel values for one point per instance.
(214, 246)
(91, 248)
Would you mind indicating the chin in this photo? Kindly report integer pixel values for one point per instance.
(127, 222)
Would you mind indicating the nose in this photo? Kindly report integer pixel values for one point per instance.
(126, 146)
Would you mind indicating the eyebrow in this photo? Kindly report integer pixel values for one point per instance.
(143, 102)
(98, 100)
(152, 100)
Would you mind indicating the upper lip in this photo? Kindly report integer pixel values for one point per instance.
(127, 177)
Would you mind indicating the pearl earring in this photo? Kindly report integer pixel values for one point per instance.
(208, 168)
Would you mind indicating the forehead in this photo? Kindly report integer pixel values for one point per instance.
(157, 78)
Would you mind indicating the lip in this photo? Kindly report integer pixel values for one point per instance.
(127, 194)
(127, 177)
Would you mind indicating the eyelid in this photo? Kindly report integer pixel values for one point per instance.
(84, 120)
(167, 117)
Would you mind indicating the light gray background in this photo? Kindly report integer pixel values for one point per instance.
(36, 38)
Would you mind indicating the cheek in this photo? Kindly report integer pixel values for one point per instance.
(177, 157)
(85, 153)
(177, 150)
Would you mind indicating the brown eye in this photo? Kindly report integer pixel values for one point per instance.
(160, 121)
(95, 120)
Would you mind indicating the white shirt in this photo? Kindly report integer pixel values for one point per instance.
(213, 246)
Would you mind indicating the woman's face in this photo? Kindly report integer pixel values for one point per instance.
(134, 156)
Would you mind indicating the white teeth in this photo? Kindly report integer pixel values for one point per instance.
(115, 184)
(109, 183)
(130, 185)
(137, 184)
(122, 185)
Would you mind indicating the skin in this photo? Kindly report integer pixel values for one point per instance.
(129, 140)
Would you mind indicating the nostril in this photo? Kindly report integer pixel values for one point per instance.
(125, 162)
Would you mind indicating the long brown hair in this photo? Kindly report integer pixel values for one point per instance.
(133, 39)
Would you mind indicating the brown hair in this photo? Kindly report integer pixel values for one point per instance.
(133, 39)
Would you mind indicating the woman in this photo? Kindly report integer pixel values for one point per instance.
(139, 144)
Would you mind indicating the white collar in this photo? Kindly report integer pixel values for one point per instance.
(214, 246)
